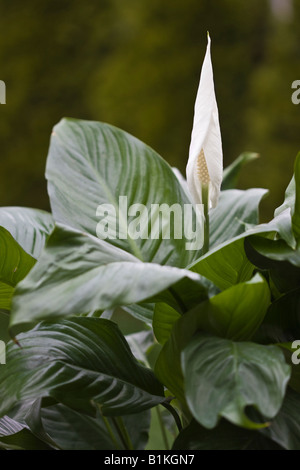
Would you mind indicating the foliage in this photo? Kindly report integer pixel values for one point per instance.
(219, 362)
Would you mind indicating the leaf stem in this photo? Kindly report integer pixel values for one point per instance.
(174, 414)
(122, 432)
(109, 430)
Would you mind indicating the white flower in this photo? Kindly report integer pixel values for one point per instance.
(205, 163)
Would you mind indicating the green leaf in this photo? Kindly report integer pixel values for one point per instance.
(15, 263)
(282, 261)
(292, 199)
(236, 209)
(163, 321)
(231, 173)
(74, 362)
(225, 436)
(272, 251)
(72, 430)
(143, 311)
(225, 265)
(92, 163)
(223, 377)
(282, 323)
(6, 293)
(29, 227)
(235, 313)
(17, 436)
(285, 428)
(228, 263)
(9, 426)
(77, 273)
(140, 343)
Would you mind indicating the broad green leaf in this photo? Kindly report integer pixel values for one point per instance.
(223, 377)
(15, 263)
(29, 227)
(235, 313)
(77, 273)
(236, 209)
(92, 163)
(74, 362)
(225, 436)
(285, 428)
(231, 173)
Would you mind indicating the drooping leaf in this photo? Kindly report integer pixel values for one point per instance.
(223, 377)
(74, 362)
(91, 164)
(29, 227)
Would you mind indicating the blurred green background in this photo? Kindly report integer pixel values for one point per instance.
(136, 64)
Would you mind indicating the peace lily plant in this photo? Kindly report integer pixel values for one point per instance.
(213, 360)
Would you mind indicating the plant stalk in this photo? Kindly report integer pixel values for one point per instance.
(205, 202)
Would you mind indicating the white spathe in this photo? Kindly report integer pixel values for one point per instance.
(205, 163)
